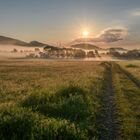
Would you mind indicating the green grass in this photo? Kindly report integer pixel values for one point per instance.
(20, 123)
(50, 100)
(127, 98)
(132, 66)
(68, 100)
(70, 103)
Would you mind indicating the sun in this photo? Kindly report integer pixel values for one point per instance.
(85, 33)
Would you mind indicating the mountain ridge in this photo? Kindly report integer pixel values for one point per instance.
(11, 41)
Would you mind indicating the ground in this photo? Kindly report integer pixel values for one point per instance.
(69, 100)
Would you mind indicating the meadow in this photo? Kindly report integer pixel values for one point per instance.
(69, 100)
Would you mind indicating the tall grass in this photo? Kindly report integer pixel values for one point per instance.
(50, 100)
(70, 103)
(19, 123)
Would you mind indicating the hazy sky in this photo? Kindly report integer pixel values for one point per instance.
(64, 20)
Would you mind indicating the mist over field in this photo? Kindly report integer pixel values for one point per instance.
(7, 51)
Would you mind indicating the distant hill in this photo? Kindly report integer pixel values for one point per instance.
(85, 46)
(11, 41)
(90, 44)
(117, 49)
(37, 44)
(47, 47)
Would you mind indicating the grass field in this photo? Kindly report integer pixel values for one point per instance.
(69, 100)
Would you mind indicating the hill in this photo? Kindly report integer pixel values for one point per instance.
(37, 44)
(11, 41)
(117, 49)
(85, 46)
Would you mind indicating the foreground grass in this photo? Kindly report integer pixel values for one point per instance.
(19, 123)
(49, 100)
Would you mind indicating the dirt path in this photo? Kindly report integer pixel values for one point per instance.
(108, 124)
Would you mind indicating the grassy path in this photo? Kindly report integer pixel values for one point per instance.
(127, 89)
(129, 75)
(119, 115)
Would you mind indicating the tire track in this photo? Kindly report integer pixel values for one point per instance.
(107, 123)
(130, 76)
(109, 127)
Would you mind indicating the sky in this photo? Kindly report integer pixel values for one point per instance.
(65, 20)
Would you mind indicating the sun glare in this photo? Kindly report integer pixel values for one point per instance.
(85, 33)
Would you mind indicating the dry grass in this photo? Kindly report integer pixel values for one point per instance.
(84, 100)
(132, 66)
(19, 78)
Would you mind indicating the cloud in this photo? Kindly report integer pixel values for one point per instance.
(112, 35)
(108, 35)
(135, 12)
